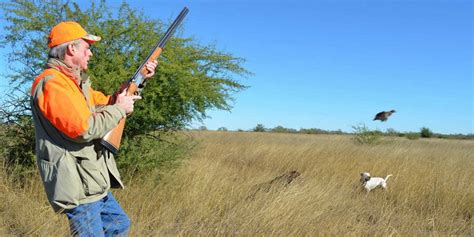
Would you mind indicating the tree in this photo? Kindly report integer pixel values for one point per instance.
(426, 132)
(281, 129)
(190, 79)
(259, 128)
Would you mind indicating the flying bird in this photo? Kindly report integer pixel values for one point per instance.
(383, 116)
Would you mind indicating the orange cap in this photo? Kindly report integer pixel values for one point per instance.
(68, 31)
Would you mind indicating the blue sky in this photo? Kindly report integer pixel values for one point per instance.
(334, 64)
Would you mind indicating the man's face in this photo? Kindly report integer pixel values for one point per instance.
(82, 54)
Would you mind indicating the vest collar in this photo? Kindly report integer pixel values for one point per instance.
(72, 72)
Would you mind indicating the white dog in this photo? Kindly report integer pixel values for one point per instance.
(370, 183)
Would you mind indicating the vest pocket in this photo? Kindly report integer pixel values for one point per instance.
(93, 181)
(61, 181)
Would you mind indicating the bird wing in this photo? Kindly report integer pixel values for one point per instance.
(379, 115)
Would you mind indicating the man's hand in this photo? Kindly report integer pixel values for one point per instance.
(126, 101)
(150, 67)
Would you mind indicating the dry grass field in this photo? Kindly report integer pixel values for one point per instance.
(431, 192)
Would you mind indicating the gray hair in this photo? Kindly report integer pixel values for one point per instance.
(59, 51)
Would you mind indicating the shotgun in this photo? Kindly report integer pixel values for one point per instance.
(134, 85)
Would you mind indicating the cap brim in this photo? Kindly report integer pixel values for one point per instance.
(91, 38)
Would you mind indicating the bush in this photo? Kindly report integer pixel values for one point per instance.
(259, 128)
(162, 151)
(392, 132)
(365, 136)
(17, 150)
(140, 154)
(426, 132)
(281, 129)
(412, 136)
(442, 136)
(313, 131)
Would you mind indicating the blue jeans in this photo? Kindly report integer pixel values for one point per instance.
(101, 218)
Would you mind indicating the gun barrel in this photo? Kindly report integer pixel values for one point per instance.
(156, 51)
(172, 28)
(112, 139)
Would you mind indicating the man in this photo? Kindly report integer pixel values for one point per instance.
(70, 118)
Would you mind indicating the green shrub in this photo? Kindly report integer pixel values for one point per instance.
(17, 150)
(140, 154)
(148, 152)
(442, 136)
(426, 132)
(281, 129)
(259, 128)
(412, 136)
(365, 136)
(392, 132)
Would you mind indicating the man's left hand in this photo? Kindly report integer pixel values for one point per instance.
(150, 67)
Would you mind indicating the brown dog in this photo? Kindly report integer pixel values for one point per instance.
(275, 184)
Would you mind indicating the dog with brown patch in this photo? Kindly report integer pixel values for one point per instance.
(277, 183)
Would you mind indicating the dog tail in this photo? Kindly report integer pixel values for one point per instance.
(387, 177)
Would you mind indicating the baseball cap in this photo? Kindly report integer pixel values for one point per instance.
(68, 31)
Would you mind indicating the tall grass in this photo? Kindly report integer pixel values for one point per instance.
(431, 191)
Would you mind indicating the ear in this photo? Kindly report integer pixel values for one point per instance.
(71, 49)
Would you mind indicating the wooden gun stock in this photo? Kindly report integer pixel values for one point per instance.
(111, 141)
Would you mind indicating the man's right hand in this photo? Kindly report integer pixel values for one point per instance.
(126, 101)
